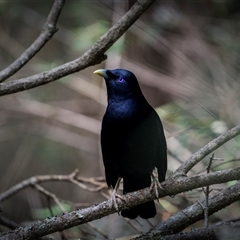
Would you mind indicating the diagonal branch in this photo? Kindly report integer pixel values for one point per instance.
(93, 56)
(207, 149)
(8, 223)
(225, 230)
(50, 195)
(48, 31)
(194, 213)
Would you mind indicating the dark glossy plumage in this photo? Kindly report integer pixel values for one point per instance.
(132, 138)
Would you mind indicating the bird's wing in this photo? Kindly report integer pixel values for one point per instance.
(161, 162)
(145, 146)
(108, 156)
(157, 144)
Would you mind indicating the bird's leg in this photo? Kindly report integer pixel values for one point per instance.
(155, 185)
(115, 195)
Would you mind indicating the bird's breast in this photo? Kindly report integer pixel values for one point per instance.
(118, 114)
(123, 110)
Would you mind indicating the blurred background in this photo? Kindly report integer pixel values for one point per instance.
(186, 56)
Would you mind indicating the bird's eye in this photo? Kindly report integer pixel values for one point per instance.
(120, 80)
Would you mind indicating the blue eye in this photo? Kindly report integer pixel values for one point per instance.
(120, 80)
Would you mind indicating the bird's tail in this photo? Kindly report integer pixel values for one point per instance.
(145, 210)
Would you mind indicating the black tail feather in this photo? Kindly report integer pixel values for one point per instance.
(145, 210)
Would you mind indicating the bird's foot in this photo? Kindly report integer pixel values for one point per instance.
(114, 199)
(115, 195)
(155, 185)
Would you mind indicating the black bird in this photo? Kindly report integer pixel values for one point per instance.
(132, 138)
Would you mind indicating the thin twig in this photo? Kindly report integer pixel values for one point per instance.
(50, 195)
(99, 185)
(226, 162)
(206, 192)
(207, 149)
(133, 225)
(8, 223)
(46, 34)
(97, 230)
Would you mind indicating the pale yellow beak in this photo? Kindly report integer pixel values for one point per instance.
(101, 72)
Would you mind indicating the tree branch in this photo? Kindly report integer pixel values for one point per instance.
(194, 213)
(79, 181)
(48, 31)
(8, 223)
(207, 149)
(175, 184)
(93, 56)
(215, 232)
(66, 221)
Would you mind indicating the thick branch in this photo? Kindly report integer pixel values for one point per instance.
(194, 213)
(50, 225)
(93, 56)
(226, 230)
(48, 31)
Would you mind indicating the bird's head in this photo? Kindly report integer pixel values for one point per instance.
(121, 84)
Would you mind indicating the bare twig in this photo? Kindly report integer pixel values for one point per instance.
(93, 56)
(8, 223)
(97, 230)
(46, 34)
(49, 195)
(226, 162)
(207, 149)
(46, 178)
(52, 196)
(136, 228)
(206, 192)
